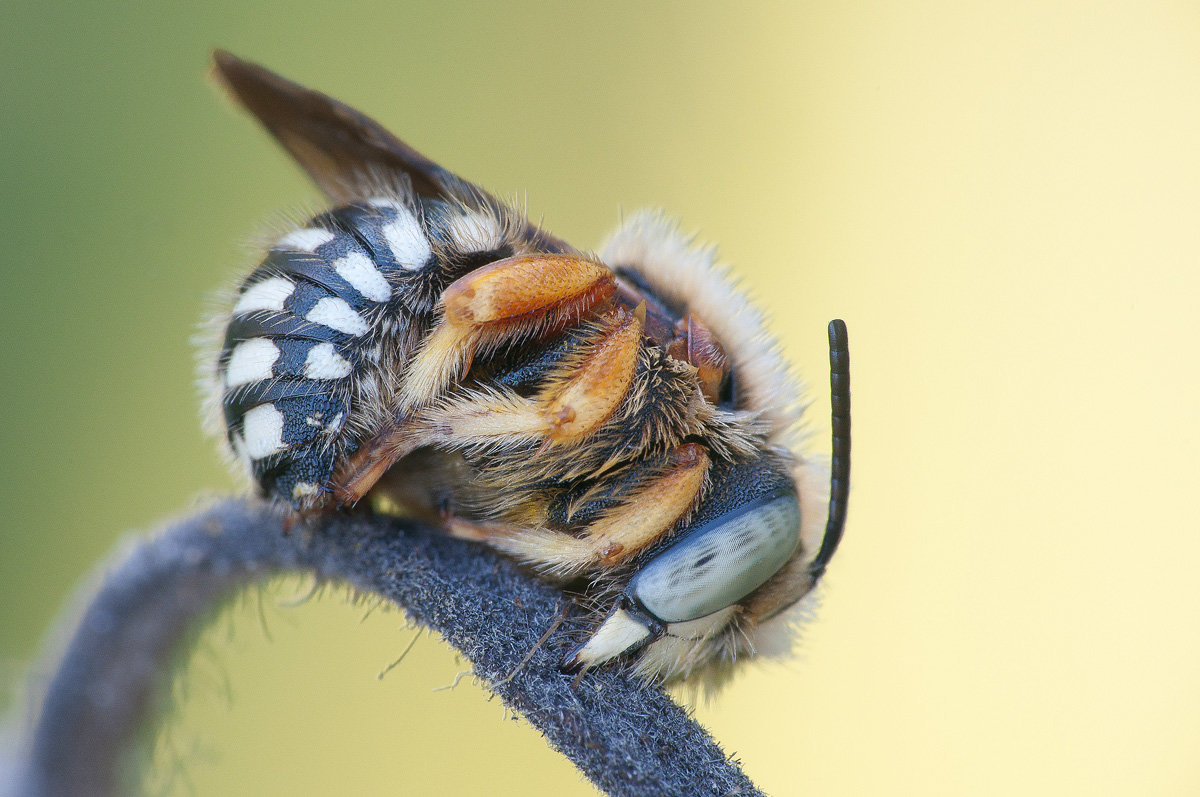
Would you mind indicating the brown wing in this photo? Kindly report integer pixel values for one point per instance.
(344, 151)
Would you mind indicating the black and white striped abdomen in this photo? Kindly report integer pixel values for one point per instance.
(314, 318)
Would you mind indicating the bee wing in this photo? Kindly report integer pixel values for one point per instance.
(345, 152)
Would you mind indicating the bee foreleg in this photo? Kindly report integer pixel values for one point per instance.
(622, 532)
(694, 343)
(636, 524)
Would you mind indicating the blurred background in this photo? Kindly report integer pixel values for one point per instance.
(1002, 200)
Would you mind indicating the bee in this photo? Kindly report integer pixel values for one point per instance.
(619, 422)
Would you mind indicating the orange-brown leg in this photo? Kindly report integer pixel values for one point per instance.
(588, 395)
(355, 477)
(500, 301)
(570, 407)
(623, 534)
(476, 530)
(694, 343)
(573, 404)
(510, 298)
(620, 534)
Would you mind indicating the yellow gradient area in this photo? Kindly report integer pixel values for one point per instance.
(1002, 200)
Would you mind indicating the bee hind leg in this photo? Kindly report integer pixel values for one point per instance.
(508, 299)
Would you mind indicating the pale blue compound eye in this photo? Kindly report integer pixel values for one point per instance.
(720, 563)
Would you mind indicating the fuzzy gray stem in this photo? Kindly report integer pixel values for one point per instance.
(626, 738)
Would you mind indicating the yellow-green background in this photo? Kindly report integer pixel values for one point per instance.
(1001, 199)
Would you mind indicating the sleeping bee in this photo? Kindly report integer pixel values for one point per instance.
(620, 422)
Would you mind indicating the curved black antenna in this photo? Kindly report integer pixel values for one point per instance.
(839, 465)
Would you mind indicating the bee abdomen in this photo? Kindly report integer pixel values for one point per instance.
(318, 314)
(304, 326)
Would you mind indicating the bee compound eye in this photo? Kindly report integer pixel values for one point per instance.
(723, 561)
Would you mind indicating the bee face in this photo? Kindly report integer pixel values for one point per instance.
(620, 422)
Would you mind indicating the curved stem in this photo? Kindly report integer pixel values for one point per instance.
(628, 739)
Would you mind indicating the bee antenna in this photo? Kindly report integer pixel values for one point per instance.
(839, 466)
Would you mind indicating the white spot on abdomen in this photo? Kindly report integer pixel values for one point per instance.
(357, 269)
(474, 232)
(334, 313)
(270, 294)
(407, 241)
(306, 240)
(323, 362)
(262, 429)
(250, 361)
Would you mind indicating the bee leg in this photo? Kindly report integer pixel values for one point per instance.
(510, 298)
(568, 408)
(623, 532)
(694, 343)
(578, 404)
(360, 471)
(573, 405)
(475, 530)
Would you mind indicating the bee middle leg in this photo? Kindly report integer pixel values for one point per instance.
(575, 400)
(574, 403)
